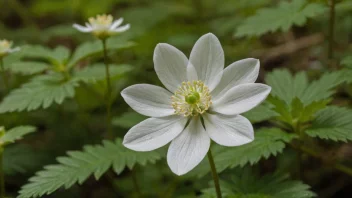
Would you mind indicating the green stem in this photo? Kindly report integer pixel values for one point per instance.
(108, 91)
(331, 30)
(215, 174)
(2, 178)
(3, 73)
(298, 131)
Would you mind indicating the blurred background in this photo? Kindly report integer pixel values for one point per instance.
(81, 120)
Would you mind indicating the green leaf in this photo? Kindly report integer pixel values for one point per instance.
(57, 56)
(96, 72)
(283, 17)
(28, 67)
(287, 87)
(323, 88)
(347, 62)
(267, 142)
(128, 120)
(41, 91)
(95, 48)
(332, 123)
(14, 134)
(244, 184)
(260, 113)
(79, 165)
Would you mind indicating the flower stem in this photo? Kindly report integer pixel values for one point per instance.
(2, 178)
(3, 73)
(108, 91)
(215, 174)
(331, 30)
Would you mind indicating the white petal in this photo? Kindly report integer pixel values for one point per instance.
(207, 57)
(116, 23)
(122, 28)
(191, 72)
(188, 149)
(241, 98)
(228, 130)
(239, 72)
(82, 28)
(148, 100)
(154, 133)
(170, 65)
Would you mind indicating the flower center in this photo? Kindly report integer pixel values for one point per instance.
(191, 99)
(101, 21)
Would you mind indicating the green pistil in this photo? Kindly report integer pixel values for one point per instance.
(192, 98)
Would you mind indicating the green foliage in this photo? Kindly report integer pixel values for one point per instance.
(79, 165)
(267, 142)
(347, 62)
(297, 111)
(94, 48)
(28, 67)
(57, 56)
(287, 87)
(246, 184)
(261, 113)
(281, 18)
(19, 158)
(332, 123)
(96, 72)
(41, 91)
(128, 120)
(297, 100)
(14, 134)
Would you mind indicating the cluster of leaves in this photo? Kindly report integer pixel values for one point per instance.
(57, 74)
(295, 103)
(267, 142)
(282, 17)
(56, 80)
(245, 183)
(79, 165)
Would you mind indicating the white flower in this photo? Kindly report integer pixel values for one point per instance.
(103, 26)
(5, 48)
(196, 88)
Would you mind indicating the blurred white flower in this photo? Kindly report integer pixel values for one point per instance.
(198, 88)
(103, 26)
(6, 48)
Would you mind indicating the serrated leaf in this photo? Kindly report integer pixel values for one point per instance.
(323, 88)
(332, 123)
(28, 67)
(96, 72)
(94, 48)
(128, 120)
(79, 165)
(286, 87)
(282, 18)
(244, 183)
(268, 142)
(260, 113)
(16, 133)
(40, 92)
(57, 56)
